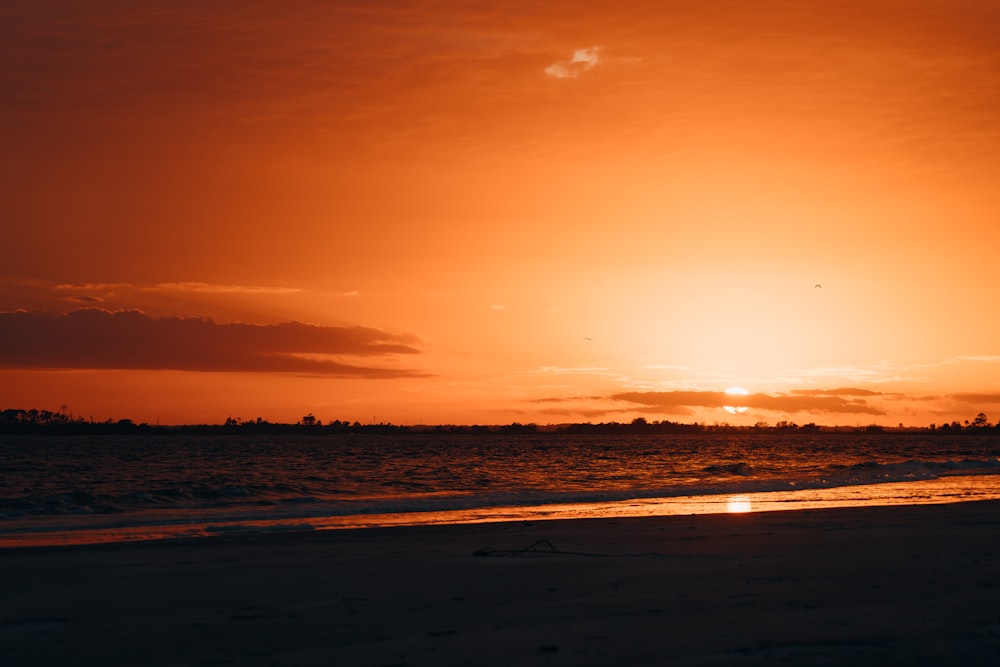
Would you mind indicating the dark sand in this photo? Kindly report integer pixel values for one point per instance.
(872, 586)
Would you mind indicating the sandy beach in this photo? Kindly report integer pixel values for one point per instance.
(904, 585)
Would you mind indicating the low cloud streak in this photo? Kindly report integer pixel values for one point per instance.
(681, 402)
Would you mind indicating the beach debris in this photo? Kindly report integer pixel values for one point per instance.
(546, 548)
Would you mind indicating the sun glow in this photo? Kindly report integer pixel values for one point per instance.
(736, 392)
(735, 232)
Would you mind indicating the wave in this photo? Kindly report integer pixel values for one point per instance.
(236, 484)
(87, 502)
(917, 469)
(301, 502)
(742, 469)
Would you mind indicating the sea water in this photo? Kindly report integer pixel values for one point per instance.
(86, 488)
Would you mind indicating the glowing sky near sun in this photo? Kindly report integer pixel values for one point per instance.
(540, 212)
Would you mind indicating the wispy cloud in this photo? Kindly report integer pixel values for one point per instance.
(842, 391)
(94, 287)
(975, 399)
(99, 339)
(220, 288)
(874, 374)
(582, 60)
(988, 358)
(580, 370)
(587, 407)
(181, 286)
(566, 399)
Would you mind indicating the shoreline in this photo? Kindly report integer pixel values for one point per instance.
(871, 585)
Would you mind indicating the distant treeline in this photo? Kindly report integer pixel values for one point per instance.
(45, 421)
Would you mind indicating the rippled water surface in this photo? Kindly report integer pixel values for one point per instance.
(61, 484)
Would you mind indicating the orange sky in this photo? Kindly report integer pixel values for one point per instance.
(539, 212)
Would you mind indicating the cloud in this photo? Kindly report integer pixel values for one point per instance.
(92, 338)
(843, 391)
(586, 406)
(217, 288)
(989, 359)
(681, 402)
(975, 398)
(566, 399)
(881, 372)
(587, 413)
(578, 370)
(94, 287)
(581, 61)
(180, 286)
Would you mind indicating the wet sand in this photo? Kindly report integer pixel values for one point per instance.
(862, 586)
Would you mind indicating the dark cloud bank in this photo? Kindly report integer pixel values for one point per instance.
(99, 339)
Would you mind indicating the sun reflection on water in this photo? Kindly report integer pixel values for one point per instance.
(738, 504)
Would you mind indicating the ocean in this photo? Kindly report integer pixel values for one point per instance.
(71, 489)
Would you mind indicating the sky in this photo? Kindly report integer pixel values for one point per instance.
(449, 212)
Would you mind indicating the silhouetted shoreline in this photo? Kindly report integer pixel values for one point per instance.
(17, 421)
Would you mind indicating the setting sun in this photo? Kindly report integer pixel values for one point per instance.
(736, 407)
